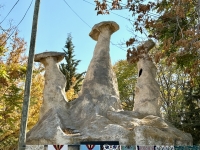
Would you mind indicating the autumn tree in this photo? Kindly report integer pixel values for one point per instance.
(175, 24)
(182, 109)
(171, 81)
(69, 69)
(126, 76)
(13, 64)
(180, 100)
(189, 115)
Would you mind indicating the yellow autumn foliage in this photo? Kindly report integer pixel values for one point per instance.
(13, 64)
(70, 94)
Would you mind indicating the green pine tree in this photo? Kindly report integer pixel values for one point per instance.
(69, 69)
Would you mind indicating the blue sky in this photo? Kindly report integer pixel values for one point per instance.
(56, 20)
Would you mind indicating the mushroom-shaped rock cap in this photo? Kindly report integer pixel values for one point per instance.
(58, 55)
(149, 44)
(94, 34)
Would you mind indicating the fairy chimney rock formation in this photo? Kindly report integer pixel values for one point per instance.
(96, 115)
(147, 91)
(100, 77)
(100, 88)
(54, 87)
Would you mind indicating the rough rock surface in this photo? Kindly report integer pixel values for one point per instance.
(54, 87)
(97, 115)
(147, 90)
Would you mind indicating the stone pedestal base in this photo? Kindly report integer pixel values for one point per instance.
(127, 127)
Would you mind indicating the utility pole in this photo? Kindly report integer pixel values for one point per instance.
(25, 108)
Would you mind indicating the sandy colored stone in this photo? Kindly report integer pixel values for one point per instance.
(57, 55)
(100, 88)
(147, 90)
(54, 87)
(96, 115)
(100, 27)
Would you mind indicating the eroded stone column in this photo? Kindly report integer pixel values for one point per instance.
(100, 88)
(147, 90)
(54, 87)
(100, 78)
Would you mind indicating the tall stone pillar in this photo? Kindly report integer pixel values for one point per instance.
(54, 87)
(100, 88)
(100, 78)
(54, 119)
(147, 90)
